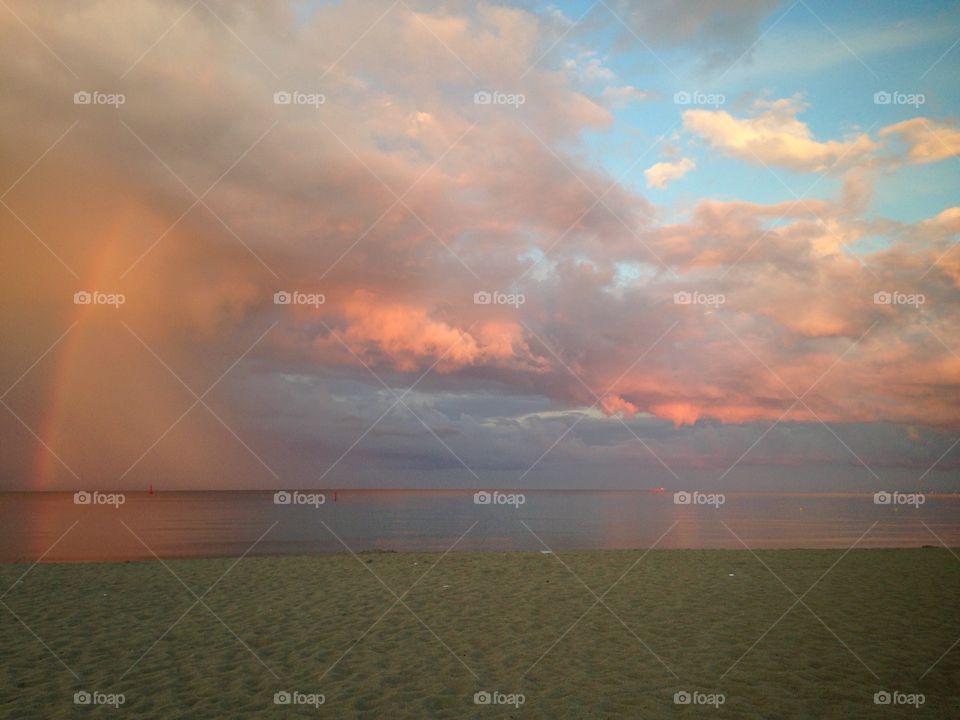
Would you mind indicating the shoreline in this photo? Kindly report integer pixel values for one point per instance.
(470, 490)
(481, 553)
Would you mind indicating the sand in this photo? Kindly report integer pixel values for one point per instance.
(525, 624)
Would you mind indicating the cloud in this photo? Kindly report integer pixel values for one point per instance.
(381, 331)
(927, 141)
(622, 95)
(398, 199)
(864, 39)
(774, 136)
(718, 31)
(662, 174)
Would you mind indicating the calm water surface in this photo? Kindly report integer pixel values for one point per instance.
(199, 524)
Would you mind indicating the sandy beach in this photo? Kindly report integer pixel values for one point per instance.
(575, 635)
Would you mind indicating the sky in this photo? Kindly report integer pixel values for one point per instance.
(471, 244)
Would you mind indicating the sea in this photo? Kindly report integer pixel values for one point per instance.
(99, 527)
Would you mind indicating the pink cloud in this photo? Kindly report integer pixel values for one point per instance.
(927, 141)
(661, 174)
(774, 136)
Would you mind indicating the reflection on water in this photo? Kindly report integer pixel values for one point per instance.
(198, 524)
